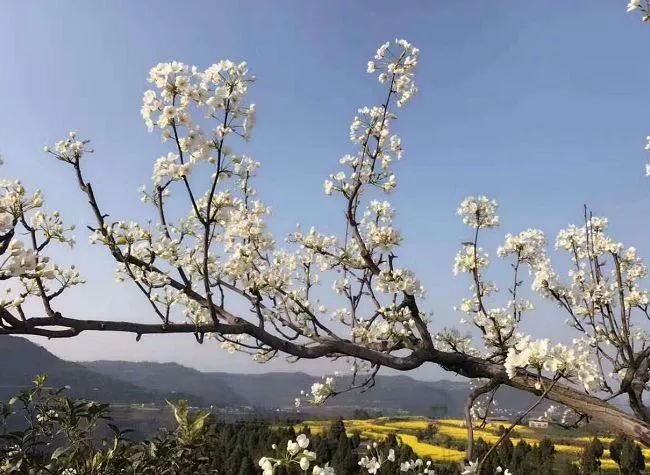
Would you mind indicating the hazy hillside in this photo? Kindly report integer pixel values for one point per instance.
(171, 378)
(390, 394)
(22, 360)
(278, 390)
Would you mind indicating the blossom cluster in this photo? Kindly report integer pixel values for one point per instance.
(397, 67)
(417, 467)
(393, 281)
(70, 149)
(371, 132)
(296, 453)
(373, 461)
(170, 168)
(319, 392)
(374, 237)
(23, 214)
(591, 292)
(558, 360)
(183, 96)
(472, 468)
(479, 212)
(396, 323)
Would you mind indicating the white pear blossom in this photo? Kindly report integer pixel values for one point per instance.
(479, 212)
(6, 222)
(170, 168)
(399, 280)
(324, 470)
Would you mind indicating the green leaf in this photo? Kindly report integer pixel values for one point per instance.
(197, 426)
(59, 452)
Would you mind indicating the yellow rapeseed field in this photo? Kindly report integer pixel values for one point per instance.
(414, 425)
(405, 429)
(434, 452)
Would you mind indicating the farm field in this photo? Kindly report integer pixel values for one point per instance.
(567, 443)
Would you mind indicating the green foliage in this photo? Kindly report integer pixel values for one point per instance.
(427, 434)
(189, 429)
(568, 467)
(521, 458)
(44, 432)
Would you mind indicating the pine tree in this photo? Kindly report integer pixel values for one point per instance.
(344, 460)
(504, 452)
(627, 454)
(246, 467)
(591, 455)
(233, 462)
(567, 467)
(519, 454)
(337, 428)
(355, 439)
(546, 454)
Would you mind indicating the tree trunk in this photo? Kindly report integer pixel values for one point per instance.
(591, 406)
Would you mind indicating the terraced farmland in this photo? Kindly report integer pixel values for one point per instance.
(567, 443)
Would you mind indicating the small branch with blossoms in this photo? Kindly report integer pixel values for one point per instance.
(296, 454)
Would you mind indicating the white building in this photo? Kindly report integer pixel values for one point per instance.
(538, 424)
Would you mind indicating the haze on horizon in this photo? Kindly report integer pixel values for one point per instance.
(530, 105)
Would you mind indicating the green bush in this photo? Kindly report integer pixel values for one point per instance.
(46, 432)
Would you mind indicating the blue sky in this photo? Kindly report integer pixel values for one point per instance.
(541, 105)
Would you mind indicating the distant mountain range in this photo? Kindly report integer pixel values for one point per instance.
(171, 378)
(146, 382)
(22, 360)
(278, 390)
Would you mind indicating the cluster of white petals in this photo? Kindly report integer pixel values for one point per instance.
(417, 467)
(70, 149)
(479, 212)
(558, 360)
(170, 168)
(319, 392)
(529, 246)
(371, 127)
(472, 468)
(223, 237)
(296, 453)
(396, 65)
(469, 259)
(399, 280)
(373, 461)
(26, 231)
